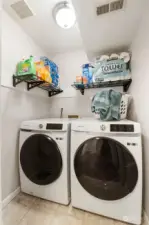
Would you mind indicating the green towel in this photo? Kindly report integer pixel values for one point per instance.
(107, 104)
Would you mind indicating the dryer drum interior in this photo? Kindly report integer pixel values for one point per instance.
(105, 168)
(41, 159)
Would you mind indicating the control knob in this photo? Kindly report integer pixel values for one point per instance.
(40, 126)
(103, 127)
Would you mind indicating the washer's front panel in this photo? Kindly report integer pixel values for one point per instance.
(105, 168)
(41, 159)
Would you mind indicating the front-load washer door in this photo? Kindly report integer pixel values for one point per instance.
(105, 168)
(41, 159)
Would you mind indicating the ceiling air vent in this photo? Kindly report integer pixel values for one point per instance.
(116, 5)
(102, 9)
(22, 9)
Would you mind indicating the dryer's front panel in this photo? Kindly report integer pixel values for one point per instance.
(105, 168)
(40, 159)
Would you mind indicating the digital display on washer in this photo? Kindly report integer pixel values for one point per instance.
(121, 128)
(54, 126)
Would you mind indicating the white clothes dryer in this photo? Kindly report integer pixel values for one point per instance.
(44, 159)
(106, 168)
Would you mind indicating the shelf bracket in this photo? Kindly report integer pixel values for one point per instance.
(82, 91)
(16, 81)
(53, 93)
(31, 85)
(126, 86)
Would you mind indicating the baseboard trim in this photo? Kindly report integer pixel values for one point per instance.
(146, 219)
(10, 197)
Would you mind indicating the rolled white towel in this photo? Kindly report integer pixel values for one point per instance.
(114, 56)
(104, 57)
(125, 56)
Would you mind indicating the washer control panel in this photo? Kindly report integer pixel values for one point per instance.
(48, 126)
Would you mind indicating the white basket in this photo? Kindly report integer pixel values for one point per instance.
(123, 108)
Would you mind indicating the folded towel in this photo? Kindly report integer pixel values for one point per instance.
(107, 104)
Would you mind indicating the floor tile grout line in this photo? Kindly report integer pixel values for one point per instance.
(21, 219)
(29, 209)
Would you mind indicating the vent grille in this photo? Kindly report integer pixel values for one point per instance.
(102, 9)
(113, 6)
(116, 5)
(22, 9)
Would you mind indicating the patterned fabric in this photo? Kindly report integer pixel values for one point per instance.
(107, 104)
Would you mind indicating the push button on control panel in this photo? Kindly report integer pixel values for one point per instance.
(59, 138)
(132, 144)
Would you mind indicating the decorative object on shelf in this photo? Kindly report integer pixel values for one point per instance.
(32, 83)
(118, 83)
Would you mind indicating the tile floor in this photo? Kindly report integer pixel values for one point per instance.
(28, 210)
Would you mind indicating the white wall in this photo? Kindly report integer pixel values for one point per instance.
(16, 107)
(71, 100)
(0, 158)
(17, 104)
(16, 44)
(140, 91)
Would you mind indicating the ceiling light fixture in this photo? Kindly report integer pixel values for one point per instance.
(64, 15)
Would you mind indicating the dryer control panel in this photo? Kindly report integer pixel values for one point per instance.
(117, 127)
(54, 126)
(121, 128)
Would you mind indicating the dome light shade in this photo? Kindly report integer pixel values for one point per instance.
(64, 15)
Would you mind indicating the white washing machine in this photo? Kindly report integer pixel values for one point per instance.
(44, 159)
(106, 169)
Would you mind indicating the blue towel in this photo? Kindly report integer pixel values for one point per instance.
(107, 104)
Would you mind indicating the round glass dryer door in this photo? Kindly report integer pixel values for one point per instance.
(105, 168)
(40, 159)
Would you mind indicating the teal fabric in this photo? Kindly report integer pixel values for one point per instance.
(107, 104)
